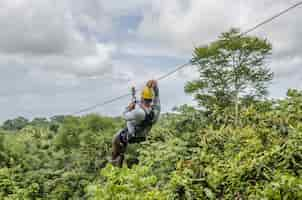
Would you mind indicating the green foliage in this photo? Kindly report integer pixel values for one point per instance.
(261, 159)
(38, 163)
(230, 68)
(188, 155)
(126, 183)
(15, 124)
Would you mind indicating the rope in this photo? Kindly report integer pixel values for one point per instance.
(102, 104)
(189, 63)
(271, 18)
(128, 94)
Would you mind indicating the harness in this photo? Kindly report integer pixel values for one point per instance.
(149, 117)
(143, 125)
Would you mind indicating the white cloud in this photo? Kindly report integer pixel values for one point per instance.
(287, 67)
(284, 34)
(34, 27)
(183, 25)
(42, 35)
(151, 50)
(53, 58)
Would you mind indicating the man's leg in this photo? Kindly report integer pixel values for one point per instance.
(119, 146)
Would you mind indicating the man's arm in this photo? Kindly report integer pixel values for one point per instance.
(133, 114)
(156, 103)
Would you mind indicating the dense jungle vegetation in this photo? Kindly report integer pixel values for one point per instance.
(236, 145)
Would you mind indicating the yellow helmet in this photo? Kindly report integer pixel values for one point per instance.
(147, 93)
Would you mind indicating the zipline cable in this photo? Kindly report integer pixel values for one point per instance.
(129, 94)
(102, 104)
(189, 63)
(272, 18)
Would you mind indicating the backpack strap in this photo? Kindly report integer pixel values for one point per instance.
(149, 116)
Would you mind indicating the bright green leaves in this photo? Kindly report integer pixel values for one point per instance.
(39, 163)
(231, 68)
(284, 186)
(15, 124)
(186, 156)
(136, 183)
(6, 184)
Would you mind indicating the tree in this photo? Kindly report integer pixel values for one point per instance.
(39, 121)
(57, 119)
(15, 124)
(230, 68)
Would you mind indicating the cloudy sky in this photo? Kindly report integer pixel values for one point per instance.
(59, 56)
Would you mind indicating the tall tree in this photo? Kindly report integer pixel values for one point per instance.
(231, 68)
(39, 121)
(15, 124)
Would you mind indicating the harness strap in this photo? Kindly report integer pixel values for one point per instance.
(148, 116)
(145, 110)
(123, 136)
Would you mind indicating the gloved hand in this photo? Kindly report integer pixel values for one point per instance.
(155, 87)
(156, 91)
(131, 106)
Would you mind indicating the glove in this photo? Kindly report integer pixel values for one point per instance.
(155, 88)
(156, 91)
(131, 106)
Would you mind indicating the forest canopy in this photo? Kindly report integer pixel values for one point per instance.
(247, 147)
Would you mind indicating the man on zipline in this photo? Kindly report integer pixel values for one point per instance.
(140, 116)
